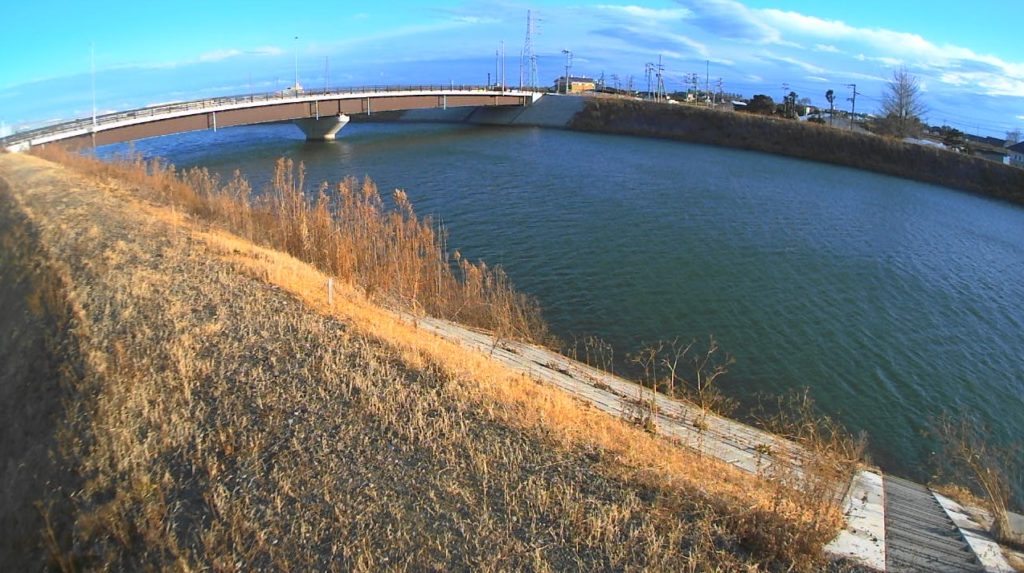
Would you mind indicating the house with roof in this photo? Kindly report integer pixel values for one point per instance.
(577, 84)
(1016, 154)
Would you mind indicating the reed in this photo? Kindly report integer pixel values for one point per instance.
(346, 230)
(225, 419)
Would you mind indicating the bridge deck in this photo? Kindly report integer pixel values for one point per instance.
(259, 108)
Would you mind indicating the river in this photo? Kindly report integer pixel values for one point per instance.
(892, 300)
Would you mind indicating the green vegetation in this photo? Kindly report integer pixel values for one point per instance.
(805, 141)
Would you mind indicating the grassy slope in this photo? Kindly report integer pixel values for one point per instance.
(803, 140)
(225, 416)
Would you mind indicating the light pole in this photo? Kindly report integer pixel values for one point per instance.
(92, 65)
(295, 88)
(568, 65)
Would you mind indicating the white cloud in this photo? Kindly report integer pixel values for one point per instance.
(826, 48)
(474, 20)
(990, 84)
(863, 76)
(644, 13)
(224, 54)
(807, 67)
(896, 48)
(218, 55)
(266, 51)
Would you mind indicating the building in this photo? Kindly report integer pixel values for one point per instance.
(577, 84)
(1016, 154)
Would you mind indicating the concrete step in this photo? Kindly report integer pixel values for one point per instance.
(919, 536)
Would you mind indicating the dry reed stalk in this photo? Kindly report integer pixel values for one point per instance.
(688, 512)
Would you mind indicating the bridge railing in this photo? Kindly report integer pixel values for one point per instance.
(88, 124)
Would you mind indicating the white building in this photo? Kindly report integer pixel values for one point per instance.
(1016, 154)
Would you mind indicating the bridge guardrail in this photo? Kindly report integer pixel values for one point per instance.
(89, 123)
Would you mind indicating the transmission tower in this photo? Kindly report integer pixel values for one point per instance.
(660, 73)
(529, 58)
(649, 76)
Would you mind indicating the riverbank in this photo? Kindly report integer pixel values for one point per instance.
(227, 409)
(743, 131)
(802, 140)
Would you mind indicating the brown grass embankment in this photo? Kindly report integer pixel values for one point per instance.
(398, 258)
(805, 141)
(224, 423)
(38, 363)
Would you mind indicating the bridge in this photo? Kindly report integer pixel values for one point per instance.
(319, 114)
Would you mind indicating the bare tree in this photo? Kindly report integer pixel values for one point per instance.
(1013, 137)
(902, 104)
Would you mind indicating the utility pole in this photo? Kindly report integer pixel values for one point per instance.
(707, 79)
(721, 96)
(785, 98)
(568, 66)
(327, 74)
(853, 99)
(503, 65)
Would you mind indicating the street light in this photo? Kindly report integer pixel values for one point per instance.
(568, 64)
(296, 87)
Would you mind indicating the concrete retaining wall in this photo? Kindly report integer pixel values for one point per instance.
(548, 111)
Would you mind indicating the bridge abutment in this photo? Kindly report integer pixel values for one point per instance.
(323, 128)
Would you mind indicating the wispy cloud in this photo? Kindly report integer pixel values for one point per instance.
(894, 48)
(648, 14)
(657, 41)
(826, 48)
(729, 19)
(806, 66)
(219, 55)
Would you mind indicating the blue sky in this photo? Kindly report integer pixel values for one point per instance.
(967, 55)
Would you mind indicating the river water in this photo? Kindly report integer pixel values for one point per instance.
(893, 301)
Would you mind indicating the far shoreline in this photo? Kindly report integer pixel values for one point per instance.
(738, 130)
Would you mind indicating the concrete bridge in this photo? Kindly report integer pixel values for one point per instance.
(319, 114)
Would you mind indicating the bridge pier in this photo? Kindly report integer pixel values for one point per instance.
(322, 128)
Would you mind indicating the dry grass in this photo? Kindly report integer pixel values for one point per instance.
(984, 468)
(226, 423)
(346, 230)
(32, 385)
